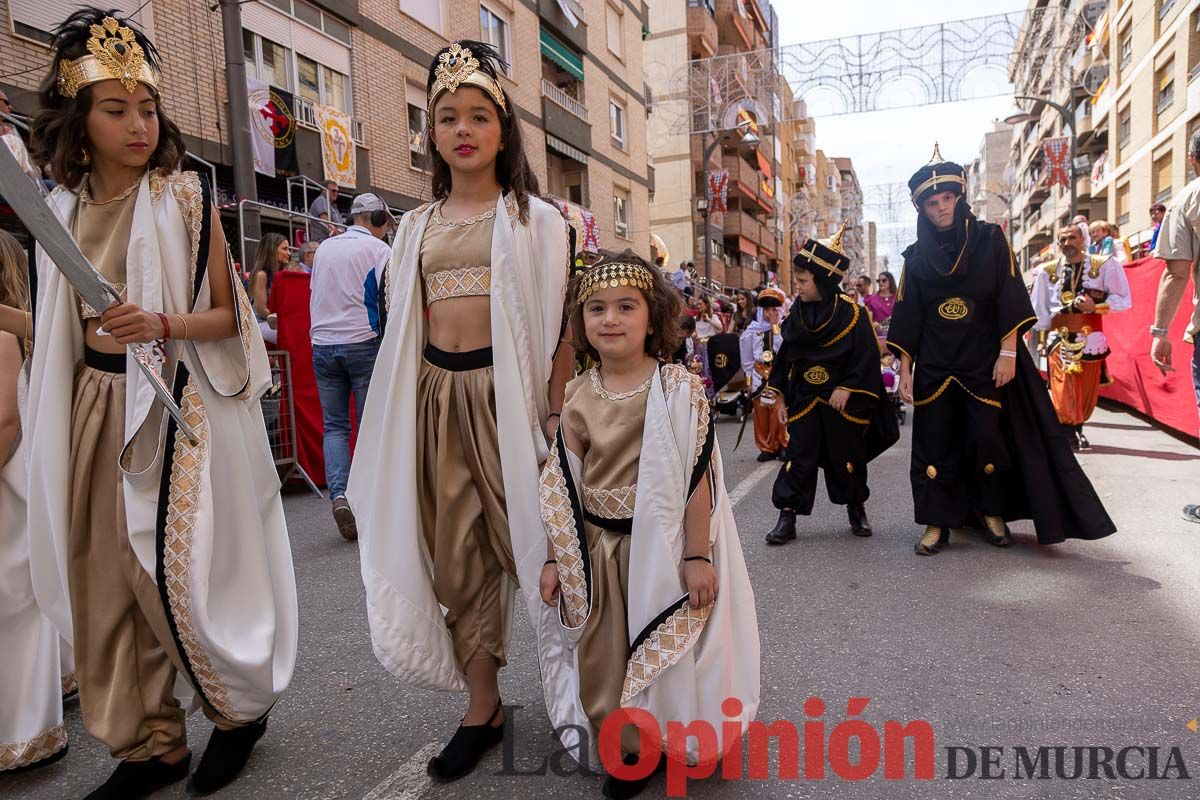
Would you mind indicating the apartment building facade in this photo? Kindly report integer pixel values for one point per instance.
(575, 78)
(989, 177)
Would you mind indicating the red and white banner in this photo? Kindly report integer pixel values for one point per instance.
(718, 190)
(1058, 153)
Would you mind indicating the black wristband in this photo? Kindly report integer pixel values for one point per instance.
(554, 414)
(699, 558)
(550, 561)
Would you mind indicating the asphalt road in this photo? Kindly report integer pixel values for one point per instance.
(1083, 644)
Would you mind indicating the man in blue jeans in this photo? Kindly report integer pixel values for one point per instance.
(345, 335)
(1178, 244)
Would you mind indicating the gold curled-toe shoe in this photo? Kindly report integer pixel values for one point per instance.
(996, 531)
(933, 541)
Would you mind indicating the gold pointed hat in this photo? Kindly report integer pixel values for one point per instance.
(939, 175)
(113, 54)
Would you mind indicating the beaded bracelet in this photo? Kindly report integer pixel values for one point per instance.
(166, 324)
(1008, 353)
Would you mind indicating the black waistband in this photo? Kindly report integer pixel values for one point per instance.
(104, 362)
(621, 526)
(459, 362)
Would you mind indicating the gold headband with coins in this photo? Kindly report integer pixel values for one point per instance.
(613, 275)
(457, 67)
(114, 55)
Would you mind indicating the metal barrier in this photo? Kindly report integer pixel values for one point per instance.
(270, 212)
(279, 414)
(210, 168)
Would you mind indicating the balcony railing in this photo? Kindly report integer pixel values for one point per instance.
(306, 115)
(563, 100)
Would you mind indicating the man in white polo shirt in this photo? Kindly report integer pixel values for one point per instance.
(345, 335)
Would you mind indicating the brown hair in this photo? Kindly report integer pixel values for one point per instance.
(264, 256)
(512, 167)
(59, 129)
(14, 272)
(891, 280)
(665, 332)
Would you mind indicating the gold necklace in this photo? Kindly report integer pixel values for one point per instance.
(85, 193)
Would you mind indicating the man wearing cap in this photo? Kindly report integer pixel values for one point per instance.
(345, 335)
(829, 392)
(759, 343)
(987, 445)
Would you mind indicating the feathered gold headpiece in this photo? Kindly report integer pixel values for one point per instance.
(458, 66)
(114, 55)
(612, 275)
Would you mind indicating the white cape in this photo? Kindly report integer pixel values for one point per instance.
(31, 728)
(684, 662)
(528, 274)
(212, 534)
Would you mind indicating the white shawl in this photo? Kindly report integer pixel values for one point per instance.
(684, 662)
(213, 535)
(528, 274)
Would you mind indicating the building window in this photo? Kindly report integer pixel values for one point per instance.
(617, 122)
(1162, 178)
(1126, 51)
(1194, 45)
(266, 60)
(614, 17)
(1123, 204)
(1164, 79)
(418, 154)
(494, 30)
(1164, 6)
(1124, 119)
(426, 12)
(621, 213)
(318, 83)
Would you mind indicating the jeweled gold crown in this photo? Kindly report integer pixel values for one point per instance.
(458, 66)
(613, 275)
(115, 55)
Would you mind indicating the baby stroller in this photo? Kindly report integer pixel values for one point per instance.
(729, 381)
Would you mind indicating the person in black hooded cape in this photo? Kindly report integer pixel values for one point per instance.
(836, 410)
(987, 445)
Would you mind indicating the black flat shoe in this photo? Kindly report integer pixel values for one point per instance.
(784, 530)
(617, 789)
(764, 457)
(132, 780)
(465, 749)
(859, 524)
(226, 755)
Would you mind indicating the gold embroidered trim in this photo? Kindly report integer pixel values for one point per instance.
(31, 751)
(183, 498)
(513, 208)
(438, 219)
(70, 683)
(1017, 327)
(672, 376)
(860, 391)
(850, 327)
(598, 386)
(946, 385)
(87, 312)
(615, 503)
(663, 648)
(813, 404)
(559, 519)
(465, 282)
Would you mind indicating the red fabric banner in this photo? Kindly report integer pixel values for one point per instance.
(718, 190)
(1058, 151)
(1170, 400)
(289, 300)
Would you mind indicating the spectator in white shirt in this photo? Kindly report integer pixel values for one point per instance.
(345, 335)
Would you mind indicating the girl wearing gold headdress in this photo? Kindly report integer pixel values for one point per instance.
(468, 381)
(151, 561)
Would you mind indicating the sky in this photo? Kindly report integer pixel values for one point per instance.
(888, 146)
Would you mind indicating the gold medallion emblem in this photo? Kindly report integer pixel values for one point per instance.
(931, 471)
(816, 375)
(953, 309)
(721, 361)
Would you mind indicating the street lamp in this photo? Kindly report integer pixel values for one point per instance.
(1068, 121)
(704, 206)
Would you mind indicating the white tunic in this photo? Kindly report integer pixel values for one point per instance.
(1105, 274)
(751, 345)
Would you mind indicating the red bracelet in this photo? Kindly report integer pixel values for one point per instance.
(166, 325)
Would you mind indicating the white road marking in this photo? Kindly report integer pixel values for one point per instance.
(410, 781)
(750, 481)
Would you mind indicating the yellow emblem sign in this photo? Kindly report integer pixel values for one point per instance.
(816, 375)
(953, 309)
(721, 361)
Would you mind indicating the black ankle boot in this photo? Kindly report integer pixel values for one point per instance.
(859, 524)
(616, 789)
(784, 530)
(226, 755)
(1084, 444)
(132, 780)
(466, 748)
(764, 456)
